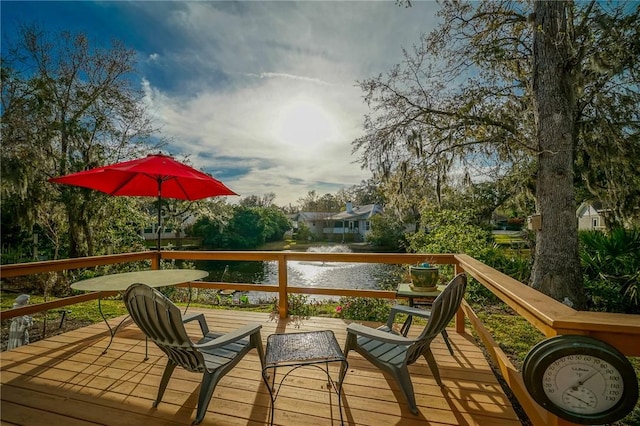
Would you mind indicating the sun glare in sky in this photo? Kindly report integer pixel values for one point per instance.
(304, 122)
(263, 106)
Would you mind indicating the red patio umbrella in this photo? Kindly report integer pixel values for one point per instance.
(155, 175)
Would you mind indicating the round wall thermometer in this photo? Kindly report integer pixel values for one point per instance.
(581, 379)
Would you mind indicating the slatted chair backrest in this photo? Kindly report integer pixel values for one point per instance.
(442, 311)
(161, 321)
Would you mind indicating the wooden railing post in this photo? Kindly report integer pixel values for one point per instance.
(155, 260)
(283, 296)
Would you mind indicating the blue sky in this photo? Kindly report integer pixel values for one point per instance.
(262, 95)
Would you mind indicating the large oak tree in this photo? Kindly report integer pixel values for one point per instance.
(505, 87)
(67, 105)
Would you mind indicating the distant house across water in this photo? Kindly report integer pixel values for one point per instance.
(350, 225)
(315, 221)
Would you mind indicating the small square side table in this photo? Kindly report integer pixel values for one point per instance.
(298, 350)
(418, 298)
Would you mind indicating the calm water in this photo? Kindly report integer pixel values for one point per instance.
(304, 274)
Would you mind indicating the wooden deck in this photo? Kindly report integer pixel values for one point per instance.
(65, 380)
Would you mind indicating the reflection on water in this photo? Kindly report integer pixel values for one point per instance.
(329, 274)
(305, 274)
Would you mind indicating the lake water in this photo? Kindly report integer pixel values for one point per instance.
(305, 274)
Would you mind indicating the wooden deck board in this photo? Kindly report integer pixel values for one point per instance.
(66, 380)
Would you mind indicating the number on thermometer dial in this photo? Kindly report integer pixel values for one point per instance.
(583, 384)
(581, 379)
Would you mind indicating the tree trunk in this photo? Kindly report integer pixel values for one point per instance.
(556, 269)
(75, 237)
(178, 237)
(77, 240)
(88, 234)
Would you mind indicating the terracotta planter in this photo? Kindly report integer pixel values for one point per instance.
(424, 278)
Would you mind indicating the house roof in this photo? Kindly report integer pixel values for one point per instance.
(585, 206)
(358, 212)
(311, 216)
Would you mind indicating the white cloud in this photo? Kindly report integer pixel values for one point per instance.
(270, 87)
(289, 76)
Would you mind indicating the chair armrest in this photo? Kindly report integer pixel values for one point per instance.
(230, 337)
(197, 317)
(383, 336)
(408, 310)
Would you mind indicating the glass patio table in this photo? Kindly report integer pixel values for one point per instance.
(120, 282)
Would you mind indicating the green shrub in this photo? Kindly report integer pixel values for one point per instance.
(363, 309)
(512, 264)
(451, 231)
(604, 296)
(387, 232)
(611, 267)
(298, 305)
(304, 233)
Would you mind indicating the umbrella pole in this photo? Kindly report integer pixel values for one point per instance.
(159, 212)
(159, 222)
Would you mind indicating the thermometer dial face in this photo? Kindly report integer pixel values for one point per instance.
(581, 379)
(583, 384)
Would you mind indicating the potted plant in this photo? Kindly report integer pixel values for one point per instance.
(424, 277)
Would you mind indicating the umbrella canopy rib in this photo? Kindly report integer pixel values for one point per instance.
(122, 185)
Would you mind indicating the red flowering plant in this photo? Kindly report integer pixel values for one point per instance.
(363, 309)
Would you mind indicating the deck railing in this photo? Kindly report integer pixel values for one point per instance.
(548, 315)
